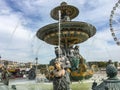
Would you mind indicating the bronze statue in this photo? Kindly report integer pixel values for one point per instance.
(32, 74)
(60, 80)
(60, 56)
(5, 76)
(112, 83)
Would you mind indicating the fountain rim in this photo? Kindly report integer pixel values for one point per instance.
(70, 24)
(74, 13)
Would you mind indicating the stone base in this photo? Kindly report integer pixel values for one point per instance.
(4, 87)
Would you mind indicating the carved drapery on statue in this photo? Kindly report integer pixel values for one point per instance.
(71, 61)
(61, 78)
(61, 83)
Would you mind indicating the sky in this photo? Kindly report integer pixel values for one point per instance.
(21, 19)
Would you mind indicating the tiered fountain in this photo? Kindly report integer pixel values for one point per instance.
(71, 33)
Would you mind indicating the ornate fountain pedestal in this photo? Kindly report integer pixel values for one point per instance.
(71, 33)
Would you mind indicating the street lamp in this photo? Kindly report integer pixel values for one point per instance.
(0, 59)
(36, 64)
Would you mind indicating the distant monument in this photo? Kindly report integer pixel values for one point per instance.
(112, 83)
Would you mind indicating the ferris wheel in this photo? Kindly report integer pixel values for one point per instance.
(114, 23)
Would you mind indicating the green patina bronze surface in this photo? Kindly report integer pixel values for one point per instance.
(72, 32)
(112, 83)
(69, 10)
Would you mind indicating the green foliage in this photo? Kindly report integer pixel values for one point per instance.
(116, 64)
(77, 78)
(42, 66)
(102, 64)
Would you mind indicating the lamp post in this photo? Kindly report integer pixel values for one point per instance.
(0, 59)
(0, 62)
(36, 64)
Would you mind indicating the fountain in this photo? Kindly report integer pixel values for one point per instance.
(64, 35)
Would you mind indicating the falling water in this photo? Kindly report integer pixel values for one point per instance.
(40, 48)
(35, 46)
(12, 34)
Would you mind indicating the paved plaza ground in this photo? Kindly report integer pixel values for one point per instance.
(25, 84)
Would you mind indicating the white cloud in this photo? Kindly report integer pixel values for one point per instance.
(99, 47)
(17, 40)
(3, 8)
(14, 37)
